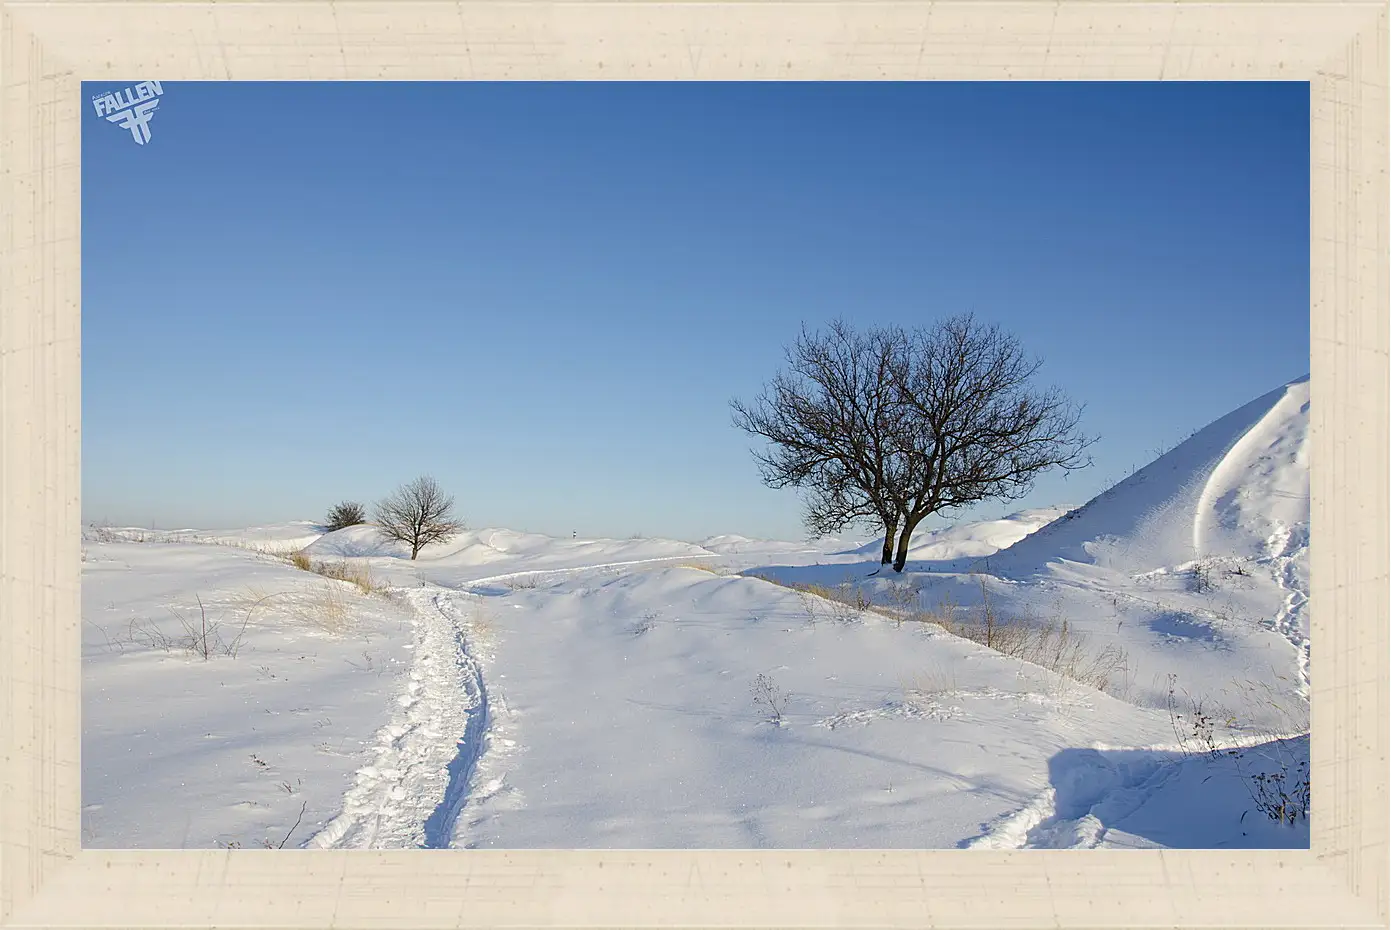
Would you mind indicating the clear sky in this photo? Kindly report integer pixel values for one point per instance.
(545, 295)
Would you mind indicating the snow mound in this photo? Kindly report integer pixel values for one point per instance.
(971, 540)
(275, 538)
(494, 546)
(1238, 488)
(361, 541)
(825, 546)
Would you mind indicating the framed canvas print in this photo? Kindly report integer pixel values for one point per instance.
(662, 463)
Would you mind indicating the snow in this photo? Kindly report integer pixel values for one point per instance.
(180, 751)
(513, 690)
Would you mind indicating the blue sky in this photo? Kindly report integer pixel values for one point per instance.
(545, 295)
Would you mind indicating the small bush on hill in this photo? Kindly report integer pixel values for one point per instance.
(348, 513)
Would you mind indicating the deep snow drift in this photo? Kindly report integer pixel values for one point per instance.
(1231, 490)
(515, 690)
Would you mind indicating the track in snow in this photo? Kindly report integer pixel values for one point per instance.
(1096, 791)
(439, 828)
(1286, 546)
(411, 794)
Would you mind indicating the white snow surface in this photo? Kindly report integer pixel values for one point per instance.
(513, 690)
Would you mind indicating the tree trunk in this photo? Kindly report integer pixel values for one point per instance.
(910, 524)
(888, 543)
(415, 550)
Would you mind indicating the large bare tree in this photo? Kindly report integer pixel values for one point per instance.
(892, 426)
(417, 513)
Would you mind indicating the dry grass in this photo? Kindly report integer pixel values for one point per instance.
(201, 635)
(325, 608)
(924, 688)
(703, 566)
(845, 603)
(480, 623)
(906, 600)
(359, 575)
(1261, 698)
(1053, 644)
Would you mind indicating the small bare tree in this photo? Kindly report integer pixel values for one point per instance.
(418, 513)
(894, 426)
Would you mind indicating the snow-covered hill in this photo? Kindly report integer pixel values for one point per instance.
(1238, 488)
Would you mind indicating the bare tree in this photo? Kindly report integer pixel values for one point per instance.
(895, 426)
(418, 513)
(833, 426)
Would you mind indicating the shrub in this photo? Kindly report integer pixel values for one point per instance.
(1282, 795)
(348, 513)
(1281, 792)
(767, 695)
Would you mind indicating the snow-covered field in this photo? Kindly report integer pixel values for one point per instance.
(516, 690)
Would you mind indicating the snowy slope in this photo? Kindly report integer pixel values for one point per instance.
(628, 703)
(1226, 491)
(1203, 554)
(182, 751)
